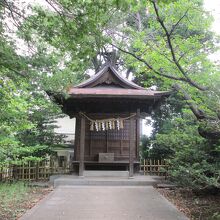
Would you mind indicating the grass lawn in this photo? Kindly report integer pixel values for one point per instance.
(16, 198)
(201, 207)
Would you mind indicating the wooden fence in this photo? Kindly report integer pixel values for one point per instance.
(35, 171)
(31, 171)
(154, 167)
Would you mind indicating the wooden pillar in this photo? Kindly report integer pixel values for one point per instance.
(106, 135)
(77, 139)
(82, 146)
(138, 134)
(131, 157)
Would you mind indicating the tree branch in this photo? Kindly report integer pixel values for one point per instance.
(12, 10)
(58, 12)
(194, 108)
(178, 22)
(15, 71)
(191, 82)
(149, 66)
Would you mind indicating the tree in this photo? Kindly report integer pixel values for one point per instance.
(169, 46)
(171, 42)
(21, 100)
(167, 40)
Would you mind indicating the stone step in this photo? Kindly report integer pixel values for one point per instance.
(70, 180)
(105, 173)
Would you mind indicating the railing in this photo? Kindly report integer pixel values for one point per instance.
(31, 171)
(154, 167)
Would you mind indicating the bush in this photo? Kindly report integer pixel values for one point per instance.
(195, 161)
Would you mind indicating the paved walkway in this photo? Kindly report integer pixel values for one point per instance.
(104, 203)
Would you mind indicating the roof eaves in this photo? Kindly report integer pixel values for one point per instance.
(80, 96)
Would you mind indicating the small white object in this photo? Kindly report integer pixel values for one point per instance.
(118, 124)
(96, 126)
(103, 126)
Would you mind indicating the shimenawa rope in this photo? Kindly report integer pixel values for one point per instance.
(106, 124)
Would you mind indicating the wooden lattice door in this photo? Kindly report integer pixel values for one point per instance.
(109, 141)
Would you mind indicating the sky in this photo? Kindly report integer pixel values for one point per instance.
(214, 7)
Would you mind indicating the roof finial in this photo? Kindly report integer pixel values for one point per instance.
(111, 58)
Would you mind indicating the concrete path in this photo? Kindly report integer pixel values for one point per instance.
(104, 203)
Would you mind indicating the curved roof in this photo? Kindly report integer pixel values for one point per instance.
(108, 69)
(109, 83)
(108, 91)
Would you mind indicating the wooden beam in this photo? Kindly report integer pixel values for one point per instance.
(82, 146)
(131, 157)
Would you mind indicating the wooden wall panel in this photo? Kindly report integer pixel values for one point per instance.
(111, 141)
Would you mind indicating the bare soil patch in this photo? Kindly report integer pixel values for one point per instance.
(196, 207)
(17, 198)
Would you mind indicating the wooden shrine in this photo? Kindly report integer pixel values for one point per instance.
(108, 109)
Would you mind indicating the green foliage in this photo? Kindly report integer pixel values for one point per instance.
(16, 198)
(13, 119)
(191, 39)
(162, 57)
(26, 132)
(194, 161)
(26, 113)
(12, 191)
(154, 150)
(216, 216)
(66, 36)
(169, 44)
(11, 194)
(144, 147)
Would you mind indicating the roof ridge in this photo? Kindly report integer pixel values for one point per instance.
(102, 71)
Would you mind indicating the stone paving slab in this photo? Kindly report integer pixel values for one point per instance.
(104, 203)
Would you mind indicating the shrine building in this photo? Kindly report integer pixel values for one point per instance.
(108, 109)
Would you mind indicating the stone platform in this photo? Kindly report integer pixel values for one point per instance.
(105, 173)
(74, 180)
